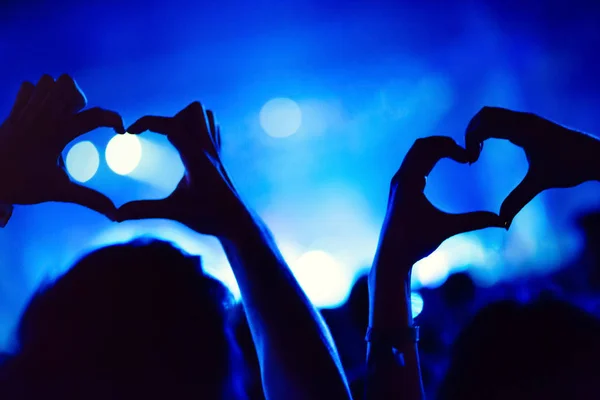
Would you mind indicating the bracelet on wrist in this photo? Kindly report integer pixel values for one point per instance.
(398, 340)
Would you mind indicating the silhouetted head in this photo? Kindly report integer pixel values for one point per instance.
(358, 302)
(458, 290)
(139, 319)
(544, 350)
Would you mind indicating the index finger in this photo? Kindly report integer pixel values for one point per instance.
(521, 195)
(497, 123)
(93, 118)
(71, 192)
(472, 221)
(69, 98)
(25, 92)
(152, 123)
(425, 154)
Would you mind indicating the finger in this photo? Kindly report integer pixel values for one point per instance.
(145, 209)
(198, 130)
(424, 155)
(152, 123)
(172, 127)
(496, 123)
(484, 125)
(195, 109)
(166, 125)
(23, 96)
(473, 221)
(218, 135)
(72, 192)
(212, 128)
(525, 191)
(68, 97)
(196, 121)
(41, 93)
(93, 118)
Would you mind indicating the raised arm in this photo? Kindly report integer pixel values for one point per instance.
(44, 119)
(297, 355)
(413, 229)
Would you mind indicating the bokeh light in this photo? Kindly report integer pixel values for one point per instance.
(322, 277)
(82, 161)
(433, 270)
(123, 153)
(280, 117)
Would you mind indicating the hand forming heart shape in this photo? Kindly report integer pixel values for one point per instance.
(47, 116)
(414, 225)
(558, 157)
(205, 199)
(44, 119)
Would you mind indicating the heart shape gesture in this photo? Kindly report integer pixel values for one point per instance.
(44, 119)
(47, 116)
(205, 199)
(558, 157)
(414, 227)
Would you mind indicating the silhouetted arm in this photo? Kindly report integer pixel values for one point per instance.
(392, 374)
(44, 118)
(297, 355)
(413, 229)
(296, 352)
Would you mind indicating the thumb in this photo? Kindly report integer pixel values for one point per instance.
(145, 209)
(72, 192)
(519, 198)
(473, 221)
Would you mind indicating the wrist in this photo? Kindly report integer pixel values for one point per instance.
(389, 301)
(242, 226)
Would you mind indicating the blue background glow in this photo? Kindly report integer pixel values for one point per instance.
(369, 78)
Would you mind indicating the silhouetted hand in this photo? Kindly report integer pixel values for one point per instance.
(558, 157)
(44, 119)
(413, 225)
(205, 199)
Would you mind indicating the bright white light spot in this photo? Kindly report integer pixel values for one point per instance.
(416, 302)
(82, 161)
(433, 270)
(280, 117)
(123, 153)
(325, 281)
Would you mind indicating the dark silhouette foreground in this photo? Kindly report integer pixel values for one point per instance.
(139, 319)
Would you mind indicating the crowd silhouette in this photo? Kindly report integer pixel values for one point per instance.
(143, 320)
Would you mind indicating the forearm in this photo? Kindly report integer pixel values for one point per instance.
(391, 375)
(297, 355)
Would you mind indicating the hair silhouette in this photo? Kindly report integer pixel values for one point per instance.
(543, 350)
(139, 319)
